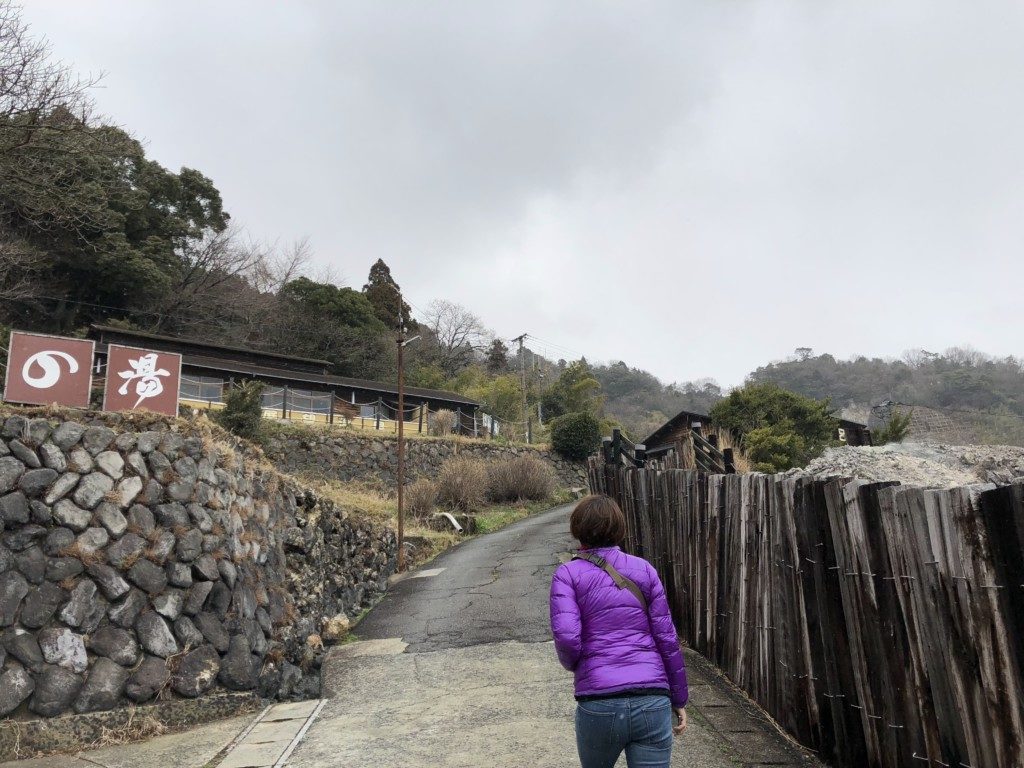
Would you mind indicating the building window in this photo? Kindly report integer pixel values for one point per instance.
(203, 388)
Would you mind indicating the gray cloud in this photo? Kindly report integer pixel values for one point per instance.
(695, 188)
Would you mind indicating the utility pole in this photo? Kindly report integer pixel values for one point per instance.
(522, 364)
(401, 449)
(402, 341)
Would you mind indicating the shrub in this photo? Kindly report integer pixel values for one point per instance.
(780, 429)
(462, 484)
(443, 423)
(522, 478)
(895, 431)
(420, 498)
(575, 435)
(242, 413)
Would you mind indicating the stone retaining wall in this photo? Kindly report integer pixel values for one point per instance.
(144, 559)
(355, 456)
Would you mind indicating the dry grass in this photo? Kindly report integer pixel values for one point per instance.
(518, 479)
(421, 498)
(84, 556)
(725, 440)
(443, 423)
(462, 484)
(130, 560)
(433, 543)
(136, 728)
(155, 534)
(364, 501)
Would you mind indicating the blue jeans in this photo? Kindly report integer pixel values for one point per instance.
(640, 725)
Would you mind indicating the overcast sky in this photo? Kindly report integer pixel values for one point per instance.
(694, 188)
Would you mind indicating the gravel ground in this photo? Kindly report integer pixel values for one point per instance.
(923, 464)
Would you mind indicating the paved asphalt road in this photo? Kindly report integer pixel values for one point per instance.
(493, 588)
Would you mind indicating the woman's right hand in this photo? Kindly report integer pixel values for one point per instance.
(680, 725)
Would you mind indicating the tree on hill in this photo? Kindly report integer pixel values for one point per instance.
(457, 335)
(334, 323)
(779, 429)
(574, 391)
(386, 297)
(497, 357)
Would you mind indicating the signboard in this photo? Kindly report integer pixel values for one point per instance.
(141, 379)
(42, 370)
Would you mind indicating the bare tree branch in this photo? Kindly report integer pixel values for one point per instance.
(459, 334)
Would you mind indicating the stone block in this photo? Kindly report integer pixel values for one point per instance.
(196, 672)
(111, 464)
(148, 680)
(35, 481)
(154, 635)
(61, 487)
(64, 648)
(97, 439)
(55, 690)
(103, 688)
(70, 515)
(92, 489)
(116, 644)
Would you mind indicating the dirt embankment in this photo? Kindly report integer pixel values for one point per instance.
(932, 466)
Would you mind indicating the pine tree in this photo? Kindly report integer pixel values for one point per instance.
(497, 357)
(386, 297)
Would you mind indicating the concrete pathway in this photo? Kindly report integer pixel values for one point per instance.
(454, 669)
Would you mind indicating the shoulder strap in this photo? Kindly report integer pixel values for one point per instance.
(620, 581)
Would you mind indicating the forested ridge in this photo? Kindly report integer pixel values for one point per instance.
(94, 231)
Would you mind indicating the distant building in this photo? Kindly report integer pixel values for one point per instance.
(853, 432)
(297, 388)
(676, 431)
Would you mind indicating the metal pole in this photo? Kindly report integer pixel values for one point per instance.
(401, 456)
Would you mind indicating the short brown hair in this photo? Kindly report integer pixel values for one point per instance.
(597, 521)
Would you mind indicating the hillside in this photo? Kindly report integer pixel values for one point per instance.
(960, 395)
(957, 396)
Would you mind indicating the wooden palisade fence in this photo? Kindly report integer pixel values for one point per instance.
(880, 625)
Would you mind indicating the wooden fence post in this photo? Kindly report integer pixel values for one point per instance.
(284, 402)
(420, 428)
(377, 410)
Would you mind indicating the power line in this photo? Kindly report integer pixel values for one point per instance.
(553, 345)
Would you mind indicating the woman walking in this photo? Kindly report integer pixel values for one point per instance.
(613, 630)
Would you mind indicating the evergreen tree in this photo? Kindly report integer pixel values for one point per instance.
(497, 357)
(386, 297)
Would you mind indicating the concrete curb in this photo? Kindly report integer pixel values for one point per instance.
(20, 739)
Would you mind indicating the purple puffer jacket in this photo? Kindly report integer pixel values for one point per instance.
(602, 634)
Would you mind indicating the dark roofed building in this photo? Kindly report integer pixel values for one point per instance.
(853, 432)
(297, 388)
(677, 429)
